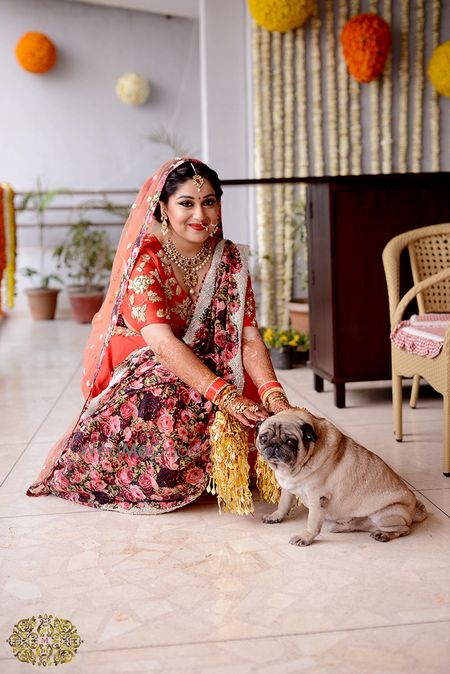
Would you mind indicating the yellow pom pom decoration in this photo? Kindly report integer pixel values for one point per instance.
(36, 52)
(439, 68)
(280, 15)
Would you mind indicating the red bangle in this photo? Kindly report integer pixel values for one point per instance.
(215, 387)
(267, 386)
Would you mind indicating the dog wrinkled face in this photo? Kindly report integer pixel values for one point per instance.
(284, 442)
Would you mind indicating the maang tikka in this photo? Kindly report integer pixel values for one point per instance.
(197, 179)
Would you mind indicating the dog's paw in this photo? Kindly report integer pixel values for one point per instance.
(302, 540)
(274, 518)
(381, 536)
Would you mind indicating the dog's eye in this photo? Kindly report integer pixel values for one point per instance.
(291, 442)
(263, 437)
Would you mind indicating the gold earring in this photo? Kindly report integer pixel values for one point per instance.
(214, 230)
(164, 223)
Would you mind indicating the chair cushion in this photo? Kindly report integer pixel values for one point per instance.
(422, 334)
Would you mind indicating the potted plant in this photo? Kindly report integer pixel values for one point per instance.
(88, 256)
(298, 306)
(286, 346)
(42, 298)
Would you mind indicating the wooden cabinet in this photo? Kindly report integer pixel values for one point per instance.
(350, 220)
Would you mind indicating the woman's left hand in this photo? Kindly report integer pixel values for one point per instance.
(279, 406)
(246, 411)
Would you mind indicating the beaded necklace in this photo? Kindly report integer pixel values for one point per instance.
(189, 265)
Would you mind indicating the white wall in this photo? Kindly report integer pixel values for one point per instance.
(226, 106)
(68, 125)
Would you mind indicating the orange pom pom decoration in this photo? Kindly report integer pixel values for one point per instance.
(36, 52)
(366, 40)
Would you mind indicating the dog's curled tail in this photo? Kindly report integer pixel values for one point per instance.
(420, 513)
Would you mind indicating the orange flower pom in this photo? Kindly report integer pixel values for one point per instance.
(36, 52)
(366, 40)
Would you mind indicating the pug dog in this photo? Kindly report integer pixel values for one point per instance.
(336, 478)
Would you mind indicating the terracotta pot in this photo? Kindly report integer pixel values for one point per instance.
(85, 304)
(299, 315)
(281, 358)
(42, 303)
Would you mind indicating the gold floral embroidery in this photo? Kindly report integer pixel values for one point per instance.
(125, 332)
(163, 313)
(139, 284)
(169, 289)
(154, 297)
(139, 313)
(184, 309)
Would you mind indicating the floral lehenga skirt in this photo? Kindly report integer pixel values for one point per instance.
(141, 446)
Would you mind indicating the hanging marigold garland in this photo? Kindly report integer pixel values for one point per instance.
(316, 68)
(434, 96)
(331, 89)
(374, 113)
(355, 109)
(289, 128)
(302, 128)
(7, 247)
(417, 117)
(302, 111)
(265, 234)
(278, 190)
(403, 88)
(386, 116)
(343, 101)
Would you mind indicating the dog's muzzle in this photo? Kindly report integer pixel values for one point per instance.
(276, 454)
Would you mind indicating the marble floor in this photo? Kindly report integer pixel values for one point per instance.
(199, 592)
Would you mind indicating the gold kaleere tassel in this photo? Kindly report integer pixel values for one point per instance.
(266, 481)
(230, 469)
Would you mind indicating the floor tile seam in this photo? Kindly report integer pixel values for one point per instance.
(71, 512)
(432, 502)
(306, 398)
(288, 635)
(30, 441)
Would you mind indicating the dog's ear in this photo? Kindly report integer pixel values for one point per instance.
(308, 433)
(257, 427)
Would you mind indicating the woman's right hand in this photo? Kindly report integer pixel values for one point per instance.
(245, 410)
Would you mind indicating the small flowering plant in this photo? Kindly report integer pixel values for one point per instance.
(283, 339)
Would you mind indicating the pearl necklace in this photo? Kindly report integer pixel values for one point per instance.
(190, 265)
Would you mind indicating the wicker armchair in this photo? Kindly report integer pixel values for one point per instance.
(429, 251)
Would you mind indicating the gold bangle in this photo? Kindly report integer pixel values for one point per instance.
(279, 396)
(278, 389)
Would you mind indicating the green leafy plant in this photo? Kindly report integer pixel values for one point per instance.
(277, 338)
(38, 200)
(44, 282)
(87, 254)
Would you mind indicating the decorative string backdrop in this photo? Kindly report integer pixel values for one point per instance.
(311, 118)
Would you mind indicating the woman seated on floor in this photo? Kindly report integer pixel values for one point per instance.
(175, 340)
